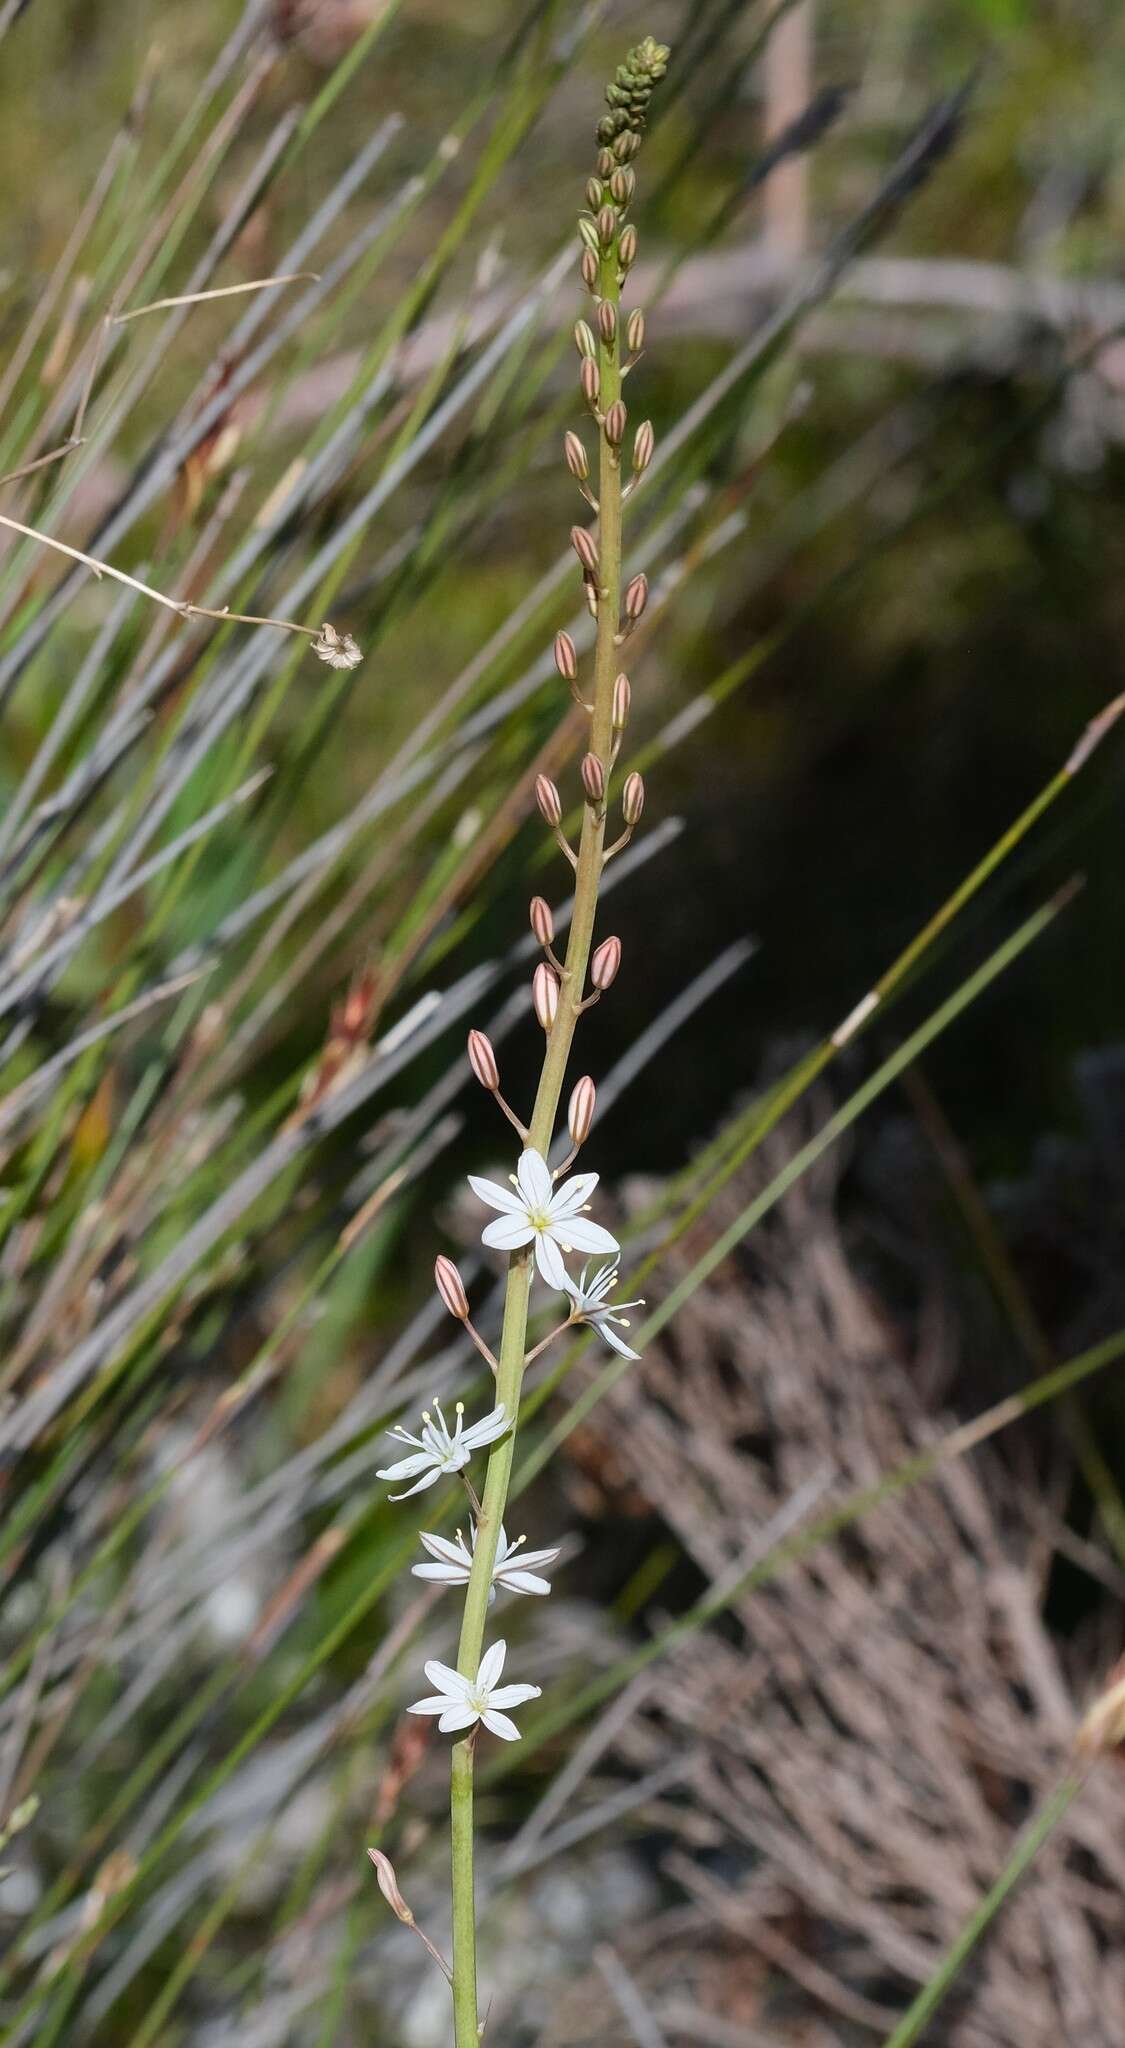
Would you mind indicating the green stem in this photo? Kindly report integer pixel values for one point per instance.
(513, 1342)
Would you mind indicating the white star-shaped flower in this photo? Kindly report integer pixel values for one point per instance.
(512, 1569)
(535, 1211)
(590, 1306)
(436, 1452)
(461, 1701)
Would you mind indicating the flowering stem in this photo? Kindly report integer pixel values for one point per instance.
(612, 263)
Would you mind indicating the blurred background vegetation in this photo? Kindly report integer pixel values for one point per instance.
(886, 551)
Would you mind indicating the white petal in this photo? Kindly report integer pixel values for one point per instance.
(507, 1233)
(418, 1461)
(586, 1236)
(549, 1260)
(573, 1194)
(428, 1479)
(491, 1665)
(458, 1717)
(514, 1695)
(617, 1342)
(437, 1704)
(441, 1547)
(536, 1558)
(515, 1580)
(500, 1725)
(490, 1191)
(534, 1177)
(486, 1430)
(447, 1680)
(446, 1574)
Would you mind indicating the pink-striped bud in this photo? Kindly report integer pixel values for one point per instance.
(626, 145)
(621, 186)
(566, 657)
(590, 381)
(644, 442)
(615, 424)
(584, 338)
(580, 1115)
(451, 1288)
(589, 237)
(622, 699)
(588, 269)
(545, 994)
(576, 459)
(542, 923)
(607, 226)
(548, 800)
(633, 798)
(586, 548)
(627, 247)
(482, 1060)
(594, 194)
(636, 598)
(607, 321)
(635, 331)
(593, 779)
(605, 963)
(605, 163)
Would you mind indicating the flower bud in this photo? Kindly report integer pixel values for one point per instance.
(615, 424)
(584, 338)
(482, 1060)
(644, 442)
(451, 1288)
(635, 331)
(588, 269)
(633, 798)
(586, 548)
(626, 145)
(576, 460)
(590, 381)
(622, 699)
(550, 807)
(607, 226)
(542, 922)
(607, 320)
(605, 163)
(636, 598)
(621, 186)
(605, 963)
(580, 1115)
(594, 194)
(545, 994)
(593, 778)
(566, 657)
(627, 247)
(388, 1885)
(589, 236)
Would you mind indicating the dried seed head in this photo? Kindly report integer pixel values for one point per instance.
(636, 598)
(605, 963)
(482, 1060)
(633, 798)
(615, 424)
(566, 657)
(607, 320)
(605, 163)
(548, 800)
(594, 194)
(580, 1115)
(644, 442)
(388, 1885)
(591, 383)
(584, 339)
(622, 699)
(588, 235)
(545, 994)
(576, 459)
(542, 922)
(588, 269)
(339, 650)
(451, 1288)
(593, 778)
(621, 186)
(607, 226)
(586, 548)
(627, 247)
